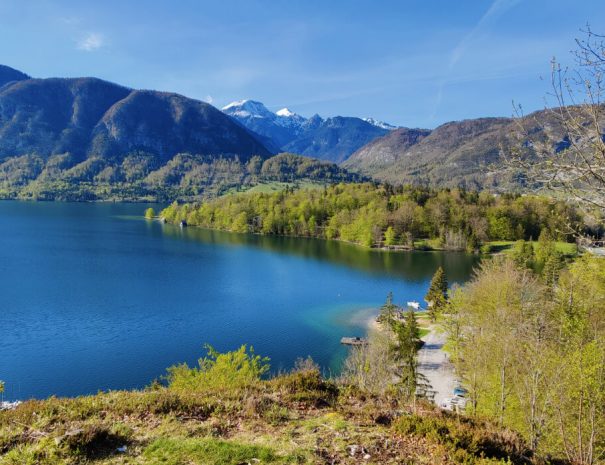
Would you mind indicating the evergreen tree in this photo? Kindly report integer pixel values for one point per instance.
(388, 311)
(408, 343)
(551, 270)
(150, 213)
(523, 254)
(436, 297)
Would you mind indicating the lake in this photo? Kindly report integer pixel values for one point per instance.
(94, 297)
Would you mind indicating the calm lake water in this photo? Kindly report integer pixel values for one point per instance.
(94, 297)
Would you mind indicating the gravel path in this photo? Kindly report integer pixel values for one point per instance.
(433, 363)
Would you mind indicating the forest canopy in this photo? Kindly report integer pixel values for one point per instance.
(382, 215)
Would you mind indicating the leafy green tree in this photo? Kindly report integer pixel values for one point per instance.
(389, 236)
(312, 225)
(533, 357)
(473, 244)
(436, 297)
(240, 223)
(546, 247)
(150, 213)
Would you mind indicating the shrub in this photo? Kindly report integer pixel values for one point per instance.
(466, 440)
(231, 370)
(305, 384)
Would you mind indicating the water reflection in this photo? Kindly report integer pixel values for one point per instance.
(416, 266)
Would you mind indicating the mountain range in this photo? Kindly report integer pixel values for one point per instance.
(85, 138)
(333, 139)
(469, 153)
(58, 135)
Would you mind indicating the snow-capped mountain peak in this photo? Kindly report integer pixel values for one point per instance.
(248, 109)
(379, 124)
(285, 112)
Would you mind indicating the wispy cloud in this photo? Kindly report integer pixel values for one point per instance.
(496, 9)
(91, 42)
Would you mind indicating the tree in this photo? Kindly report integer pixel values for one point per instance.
(574, 165)
(389, 236)
(150, 213)
(388, 311)
(436, 297)
(546, 247)
(472, 243)
(534, 358)
(406, 349)
(523, 254)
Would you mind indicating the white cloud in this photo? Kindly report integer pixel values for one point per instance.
(91, 42)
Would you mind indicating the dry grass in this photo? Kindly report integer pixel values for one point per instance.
(296, 418)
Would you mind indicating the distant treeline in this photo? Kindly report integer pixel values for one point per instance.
(383, 215)
(144, 176)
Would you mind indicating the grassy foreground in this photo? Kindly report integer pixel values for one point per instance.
(295, 418)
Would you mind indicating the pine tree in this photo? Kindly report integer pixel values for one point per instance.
(387, 311)
(523, 254)
(436, 297)
(552, 269)
(408, 343)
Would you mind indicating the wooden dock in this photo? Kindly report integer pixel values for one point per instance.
(354, 341)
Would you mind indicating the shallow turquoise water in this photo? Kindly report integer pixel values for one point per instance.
(94, 297)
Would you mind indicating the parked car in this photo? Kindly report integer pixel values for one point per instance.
(459, 391)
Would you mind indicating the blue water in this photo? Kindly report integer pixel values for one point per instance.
(93, 297)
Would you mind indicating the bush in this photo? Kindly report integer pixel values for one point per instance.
(487, 249)
(231, 370)
(466, 440)
(307, 386)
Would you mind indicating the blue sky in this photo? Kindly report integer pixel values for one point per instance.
(412, 63)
